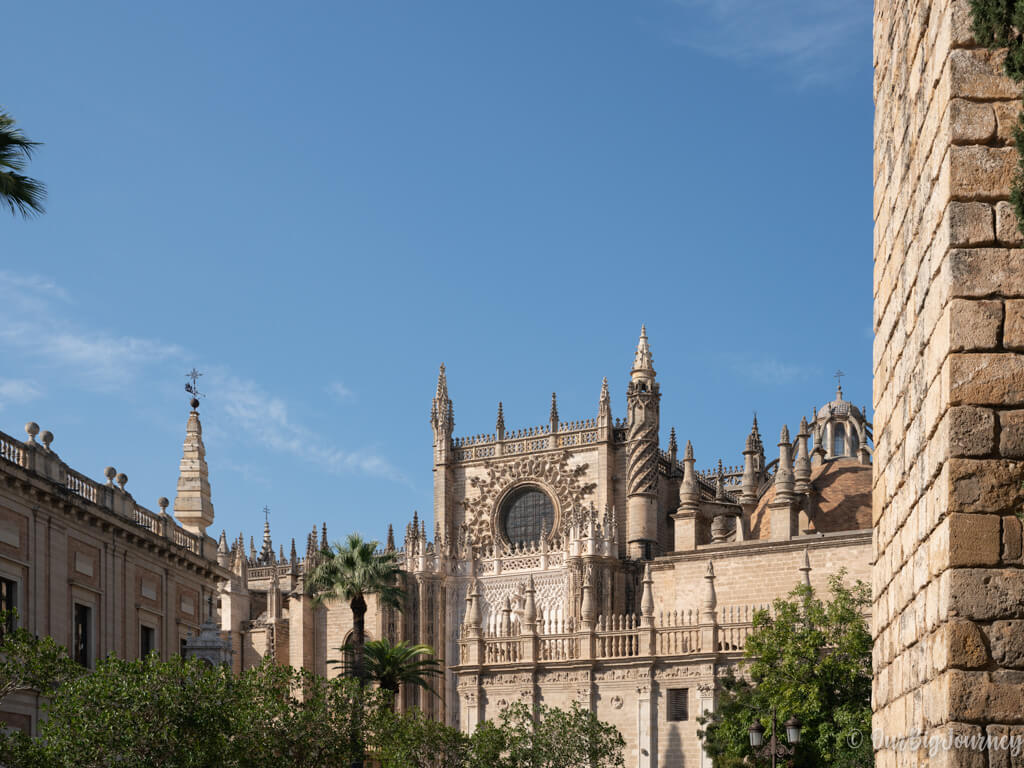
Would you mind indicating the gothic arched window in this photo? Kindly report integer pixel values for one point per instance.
(526, 514)
(839, 440)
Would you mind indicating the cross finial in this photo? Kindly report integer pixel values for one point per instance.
(266, 514)
(838, 376)
(193, 387)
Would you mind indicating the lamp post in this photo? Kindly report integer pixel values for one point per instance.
(774, 748)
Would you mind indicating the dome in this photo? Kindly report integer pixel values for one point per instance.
(839, 407)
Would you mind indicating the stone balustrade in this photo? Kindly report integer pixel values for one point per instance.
(623, 636)
(37, 458)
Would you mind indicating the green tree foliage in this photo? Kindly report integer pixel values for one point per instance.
(413, 740)
(185, 713)
(999, 24)
(809, 658)
(547, 738)
(350, 572)
(391, 665)
(31, 663)
(19, 193)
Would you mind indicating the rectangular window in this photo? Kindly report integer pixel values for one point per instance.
(678, 704)
(82, 645)
(9, 602)
(147, 641)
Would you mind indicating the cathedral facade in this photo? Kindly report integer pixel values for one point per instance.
(579, 561)
(572, 561)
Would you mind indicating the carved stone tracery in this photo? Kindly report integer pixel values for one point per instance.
(552, 472)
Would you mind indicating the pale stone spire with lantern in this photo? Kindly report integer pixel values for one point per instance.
(193, 506)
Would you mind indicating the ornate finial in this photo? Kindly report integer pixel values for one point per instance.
(604, 389)
(266, 518)
(720, 486)
(390, 546)
(805, 569)
(554, 409)
(643, 360)
(673, 446)
(501, 418)
(803, 426)
(688, 455)
(442, 384)
(323, 537)
(193, 388)
(838, 376)
(163, 502)
(784, 435)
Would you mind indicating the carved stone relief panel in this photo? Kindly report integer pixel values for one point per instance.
(551, 472)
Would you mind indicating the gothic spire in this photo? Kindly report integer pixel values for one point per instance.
(193, 506)
(390, 546)
(554, 411)
(643, 361)
(442, 413)
(500, 424)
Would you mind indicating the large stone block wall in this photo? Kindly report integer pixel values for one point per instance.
(948, 387)
(756, 573)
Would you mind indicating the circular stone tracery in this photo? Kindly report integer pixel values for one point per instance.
(527, 514)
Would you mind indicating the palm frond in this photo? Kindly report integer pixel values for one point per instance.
(19, 193)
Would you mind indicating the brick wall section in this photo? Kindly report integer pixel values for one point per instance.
(949, 385)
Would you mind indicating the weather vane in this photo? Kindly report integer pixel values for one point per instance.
(193, 387)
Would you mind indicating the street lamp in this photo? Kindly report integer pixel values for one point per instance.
(774, 748)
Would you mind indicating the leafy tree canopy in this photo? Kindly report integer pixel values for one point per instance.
(808, 658)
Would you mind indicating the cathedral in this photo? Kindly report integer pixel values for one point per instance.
(571, 561)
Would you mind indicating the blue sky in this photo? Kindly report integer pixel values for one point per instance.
(316, 204)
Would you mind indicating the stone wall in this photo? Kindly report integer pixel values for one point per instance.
(755, 573)
(949, 378)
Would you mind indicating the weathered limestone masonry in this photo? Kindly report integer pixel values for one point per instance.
(948, 615)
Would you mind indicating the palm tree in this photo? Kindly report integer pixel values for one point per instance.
(350, 572)
(20, 193)
(392, 665)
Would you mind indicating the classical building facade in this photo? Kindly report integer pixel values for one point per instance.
(83, 562)
(574, 561)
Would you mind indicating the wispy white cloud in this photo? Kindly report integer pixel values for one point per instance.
(34, 324)
(17, 391)
(31, 285)
(815, 41)
(265, 419)
(774, 373)
(339, 390)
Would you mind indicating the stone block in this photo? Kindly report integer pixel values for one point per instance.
(974, 325)
(990, 486)
(1011, 538)
(986, 378)
(1013, 326)
(971, 539)
(964, 646)
(981, 171)
(972, 431)
(986, 594)
(1011, 434)
(984, 697)
(1005, 746)
(982, 272)
(1007, 231)
(971, 122)
(977, 73)
(1006, 638)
